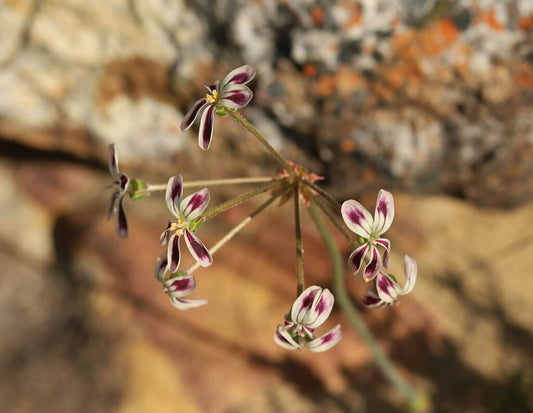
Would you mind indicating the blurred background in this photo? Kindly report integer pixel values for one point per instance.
(430, 99)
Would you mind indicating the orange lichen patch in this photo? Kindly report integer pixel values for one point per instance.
(490, 18)
(353, 21)
(318, 15)
(435, 38)
(348, 145)
(461, 58)
(135, 78)
(325, 85)
(309, 70)
(526, 23)
(348, 81)
(369, 175)
(524, 77)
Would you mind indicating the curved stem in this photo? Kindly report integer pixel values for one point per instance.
(417, 401)
(237, 228)
(332, 201)
(239, 199)
(300, 281)
(337, 222)
(250, 128)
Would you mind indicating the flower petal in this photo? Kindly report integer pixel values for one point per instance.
(198, 249)
(283, 338)
(180, 286)
(373, 266)
(304, 303)
(195, 204)
(173, 253)
(121, 223)
(387, 289)
(326, 341)
(411, 272)
(356, 258)
(123, 181)
(112, 203)
(193, 112)
(357, 218)
(321, 309)
(239, 76)
(384, 213)
(173, 194)
(372, 300)
(205, 134)
(112, 160)
(161, 267)
(385, 243)
(165, 235)
(186, 304)
(237, 97)
(211, 87)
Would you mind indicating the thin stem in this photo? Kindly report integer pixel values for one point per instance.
(238, 227)
(416, 401)
(332, 201)
(250, 128)
(239, 199)
(299, 248)
(210, 182)
(336, 221)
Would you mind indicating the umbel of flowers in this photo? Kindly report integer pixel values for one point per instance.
(313, 304)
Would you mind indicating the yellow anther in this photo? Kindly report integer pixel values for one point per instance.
(211, 97)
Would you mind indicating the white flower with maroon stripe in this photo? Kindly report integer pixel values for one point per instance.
(177, 287)
(308, 312)
(386, 290)
(187, 212)
(120, 185)
(231, 94)
(369, 230)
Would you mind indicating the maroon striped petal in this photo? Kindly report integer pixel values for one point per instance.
(186, 304)
(356, 258)
(173, 194)
(191, 115)
(385, 243)
(112, 202)
(357, 218)
(121, 223)
(195, 204)
(239, 76)
(161, 267)
(112, 160)
(283, 338)
(373, 266)
(372, 300)
(205, 134)
(321, 309)
(387, 289)
(384, 214)
(173, 253)
(411, 273)
(304, 303)
(236, 97)
(180, 286)
(326, 341)
(198, 249)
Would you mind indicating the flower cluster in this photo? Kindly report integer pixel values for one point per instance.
(308, 312)
(314, 304)
(369, 230)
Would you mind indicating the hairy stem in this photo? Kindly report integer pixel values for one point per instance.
(336, 221)
(239, 199)
(299, 248)
(210, 182)
(250, 128)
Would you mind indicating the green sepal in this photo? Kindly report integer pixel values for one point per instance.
(221, 110)
(193, 226)
(134, 187)
(361, 240)
(180, 273)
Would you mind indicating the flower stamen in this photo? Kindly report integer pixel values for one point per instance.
(212, 97)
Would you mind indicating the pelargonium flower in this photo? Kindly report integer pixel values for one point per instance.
(308, 312)
(386, 290)
(120, 185)
(187, 211)
(231, 94)
(369, 230)
(177, 287)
